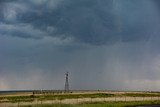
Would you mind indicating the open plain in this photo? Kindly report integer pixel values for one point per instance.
(52, 97)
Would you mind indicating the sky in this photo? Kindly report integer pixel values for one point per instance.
(103, 44)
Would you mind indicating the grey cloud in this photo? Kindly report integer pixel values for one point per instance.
(93, 22)
(130, 62)
(100, 22)
(21, 30)
(41, 64)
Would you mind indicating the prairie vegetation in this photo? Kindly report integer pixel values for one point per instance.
(104, 104)
(44, 97)
(82, 99)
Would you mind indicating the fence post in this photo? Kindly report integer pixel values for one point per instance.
(60, 101)
(18, 103)
(41, 101)
(37, 102)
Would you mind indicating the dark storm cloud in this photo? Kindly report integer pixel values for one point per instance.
(91, 22)
(42, 39)
(22, 30)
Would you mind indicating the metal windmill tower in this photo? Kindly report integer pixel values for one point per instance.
(66, 83)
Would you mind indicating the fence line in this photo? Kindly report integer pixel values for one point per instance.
(81, 100)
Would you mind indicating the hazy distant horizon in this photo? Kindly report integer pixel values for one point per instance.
(103, 44)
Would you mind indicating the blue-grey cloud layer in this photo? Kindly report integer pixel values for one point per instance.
(92, 22)
(106, 44)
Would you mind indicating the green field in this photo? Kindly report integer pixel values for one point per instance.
(78, 99)
(104, 104)
(51, 97)
(31, 98)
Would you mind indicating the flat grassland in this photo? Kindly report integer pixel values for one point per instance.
(103, 104)
(79, 99)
